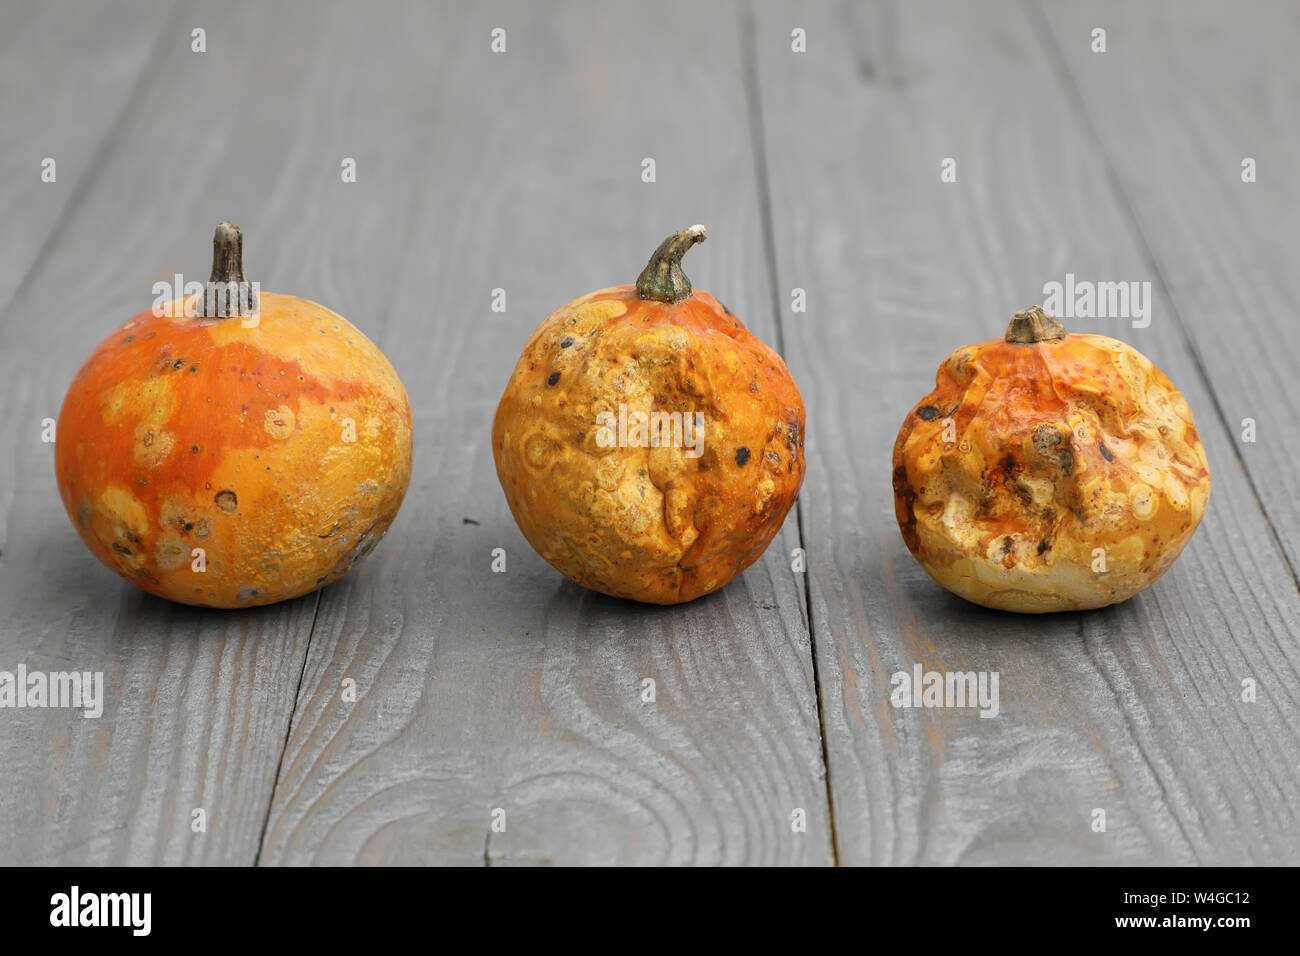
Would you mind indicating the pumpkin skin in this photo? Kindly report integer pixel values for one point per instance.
(1055, 448)
(181, 433)
(650, 524)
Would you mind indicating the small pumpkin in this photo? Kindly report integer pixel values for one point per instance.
(222, 460)
(649, 445)
(1049, 471)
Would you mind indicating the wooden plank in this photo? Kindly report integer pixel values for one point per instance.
(1134, 709)
(198, 702)
(1225, 249)
(520, 691)
(68, 71)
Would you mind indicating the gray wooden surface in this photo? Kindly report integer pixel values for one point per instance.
(521, 693)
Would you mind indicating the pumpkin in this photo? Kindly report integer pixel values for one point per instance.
(1049, 471)
(226, 457)
(649, 445)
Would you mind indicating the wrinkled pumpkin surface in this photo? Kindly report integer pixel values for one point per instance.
(652, 524)
(1049, 475)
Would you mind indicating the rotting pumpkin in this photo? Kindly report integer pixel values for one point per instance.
(225, 456)
(1049, 471)
(648, 444)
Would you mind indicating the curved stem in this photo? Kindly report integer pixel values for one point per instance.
(662, 279)
(1034, 325)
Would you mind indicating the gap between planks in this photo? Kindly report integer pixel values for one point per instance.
(1072, 90)
(762, 179)
(288, 731)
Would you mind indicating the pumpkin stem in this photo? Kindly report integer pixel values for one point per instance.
(662, 279)
(1034, 325)
(227, 268)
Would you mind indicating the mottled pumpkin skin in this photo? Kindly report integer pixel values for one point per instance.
(1059, 447)
(649, 524)
(183, 433)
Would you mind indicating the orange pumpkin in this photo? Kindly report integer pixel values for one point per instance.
(649, 446)
(1049, 471)
(223, 459)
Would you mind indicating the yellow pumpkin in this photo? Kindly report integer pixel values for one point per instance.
(649, 446)
(1049, 471)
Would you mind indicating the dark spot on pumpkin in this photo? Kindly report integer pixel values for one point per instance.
(179, 363)
(742, 456)
(1044, 545)
(753, 386)
(1006, 545)
(1046, 438)
(928, 412)
(320, 580)
(194, 368)
(128, 340)
(724, 308)
(566, 341)
(121, 548)
(1050, 443)
(1105, 452)
(904, 493)
(147, 440)
(195, 449)
(226, 501)
(555, 377)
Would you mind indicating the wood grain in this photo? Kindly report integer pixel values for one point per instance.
(198, 702)
(1135, 709)
(68, 71)
(1174, 139)
(520, 691)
